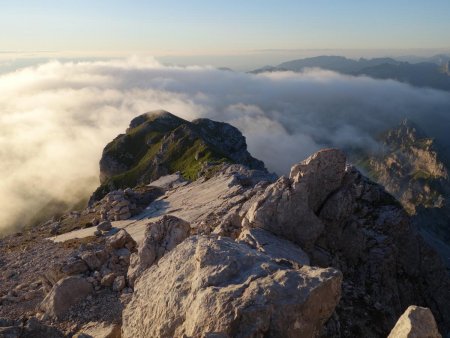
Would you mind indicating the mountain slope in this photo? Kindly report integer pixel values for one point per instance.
(323, 252)
(159, 143)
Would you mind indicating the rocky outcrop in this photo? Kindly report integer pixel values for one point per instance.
(160, 237)
(410, 167)
(416, 322)
(64, 294)
(344, 220)
(369, 237)
(288, 207)
(220, 288)
(159, 143)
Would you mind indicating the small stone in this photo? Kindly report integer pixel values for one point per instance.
(121, 239)
(108, 279)
(55, 228)
(119, 283)
(104, 226)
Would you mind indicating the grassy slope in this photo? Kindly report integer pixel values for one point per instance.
(185, 152)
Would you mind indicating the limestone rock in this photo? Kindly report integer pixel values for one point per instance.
(342, 219)
(94, 259)
(108, 279)
(416, 322)
(73, 266)
(99, 330)
(288, 207)
(209, 287)
(386, 265)
(273, 246)
(319, 175)
(64, 294)
(121, 239)
(160, 237)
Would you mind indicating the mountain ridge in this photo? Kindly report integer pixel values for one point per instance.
(422, 74)
(159, 143)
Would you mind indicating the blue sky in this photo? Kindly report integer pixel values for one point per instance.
(189, 28)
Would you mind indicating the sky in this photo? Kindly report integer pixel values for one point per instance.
(225, 32)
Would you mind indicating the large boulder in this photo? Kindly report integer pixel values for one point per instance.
(64, 294)
(209, 287)
(288, 207)
(416, 322)
(160, 237)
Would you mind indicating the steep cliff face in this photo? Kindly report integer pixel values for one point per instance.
(159, 143)
(410, 168)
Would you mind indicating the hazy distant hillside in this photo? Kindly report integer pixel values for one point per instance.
(433, 73)
(336, 63)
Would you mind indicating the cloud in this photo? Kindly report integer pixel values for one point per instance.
(56, 118)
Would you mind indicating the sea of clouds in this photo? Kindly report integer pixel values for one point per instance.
(56, 118)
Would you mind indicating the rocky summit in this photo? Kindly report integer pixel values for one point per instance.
(159, 143)
(190, 236)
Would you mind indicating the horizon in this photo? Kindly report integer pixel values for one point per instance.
(11, 61)
(235, 35)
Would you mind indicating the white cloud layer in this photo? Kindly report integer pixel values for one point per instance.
(56, 118)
